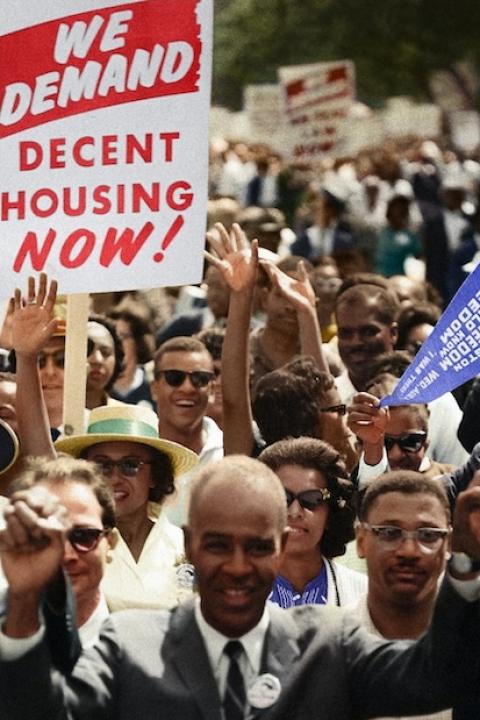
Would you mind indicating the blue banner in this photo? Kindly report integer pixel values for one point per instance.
(450, 356)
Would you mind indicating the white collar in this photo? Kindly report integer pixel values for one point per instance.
(215, 642)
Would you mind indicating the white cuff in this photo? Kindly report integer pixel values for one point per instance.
(15, 648)
(367, 473)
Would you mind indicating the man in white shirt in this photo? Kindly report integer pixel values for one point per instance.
(89, 542)
(184, 383)
(404, 534)
(367, 328)
(294, 665)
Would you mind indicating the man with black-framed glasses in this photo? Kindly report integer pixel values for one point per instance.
(403, 532)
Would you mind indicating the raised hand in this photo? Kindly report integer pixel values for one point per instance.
(367, 419)
(32, 540)
(32, 320)
(298, 291)
(234, 257)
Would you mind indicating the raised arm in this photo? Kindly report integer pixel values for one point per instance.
(32, 325)
(238, 264)
(300, 294)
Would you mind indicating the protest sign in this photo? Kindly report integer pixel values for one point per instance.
(104, 142)
(317, 98)
(450, 356)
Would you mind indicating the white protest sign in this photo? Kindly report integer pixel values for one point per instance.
(317, 99)
(104, 142)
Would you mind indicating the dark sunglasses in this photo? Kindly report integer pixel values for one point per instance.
(308, 499)
(85, 539)
(410, 442)
(340, 409)
(176, 378)
(58, 358)
(128, 466)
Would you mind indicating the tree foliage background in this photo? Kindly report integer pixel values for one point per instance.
(395, 44)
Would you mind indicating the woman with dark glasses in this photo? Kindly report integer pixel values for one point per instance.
(319, 499)
(140, 469)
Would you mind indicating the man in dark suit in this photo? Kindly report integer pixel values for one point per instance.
(183, 666)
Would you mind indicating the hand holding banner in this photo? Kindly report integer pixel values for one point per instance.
(450, 356)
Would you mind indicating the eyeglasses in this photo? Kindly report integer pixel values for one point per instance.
(340, 409)
(58, 358)
(390, 537)
(104, 350)
(410, 442)
(127, 466)
(85, 539)
(308, 499)
(176, 378)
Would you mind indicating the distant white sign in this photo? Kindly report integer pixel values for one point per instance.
(317, 98)
(104, 141)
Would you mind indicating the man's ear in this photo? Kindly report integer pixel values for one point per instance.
(112, 538)
(187, 534)
(360, 534)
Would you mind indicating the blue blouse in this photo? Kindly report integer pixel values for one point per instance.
(314, 593)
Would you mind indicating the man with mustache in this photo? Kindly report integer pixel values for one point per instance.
(403, 533)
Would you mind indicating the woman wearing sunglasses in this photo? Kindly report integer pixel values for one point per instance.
(140, 469)
(319, 499)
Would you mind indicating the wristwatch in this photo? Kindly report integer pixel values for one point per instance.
(463, 564)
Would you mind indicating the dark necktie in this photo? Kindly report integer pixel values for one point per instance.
(234, 700)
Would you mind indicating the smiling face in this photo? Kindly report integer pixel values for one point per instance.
(402, 421)
(131, 493)
(182, 409)
(305, 527)
(405, 576)
(234, 542)
(362, 336)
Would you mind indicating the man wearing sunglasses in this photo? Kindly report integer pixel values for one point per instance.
(182, 665)
(397, 440)
(403, 532)
(183, 385)
(89, 542)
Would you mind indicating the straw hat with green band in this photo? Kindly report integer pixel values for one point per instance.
(127, 423)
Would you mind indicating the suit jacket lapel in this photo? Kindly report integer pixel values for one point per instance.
(281, 651)
(190, 657)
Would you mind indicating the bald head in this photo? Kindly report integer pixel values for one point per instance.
(243, 482)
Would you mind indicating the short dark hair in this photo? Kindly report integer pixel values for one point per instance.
(117, 347)
(408, 482)
(182, 343)
(318, 455)
(387, 303)
(286, 401)
(140, 328)
(64, 469)
(212, 338)
(413, 315)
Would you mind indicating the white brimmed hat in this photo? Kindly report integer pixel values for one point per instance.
(127, 423)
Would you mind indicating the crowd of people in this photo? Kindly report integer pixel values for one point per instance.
(237, 470)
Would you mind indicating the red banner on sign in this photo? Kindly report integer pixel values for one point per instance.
(97, 59)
